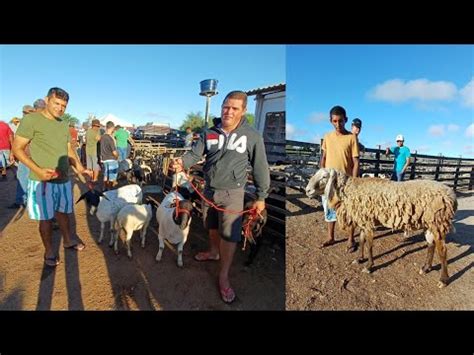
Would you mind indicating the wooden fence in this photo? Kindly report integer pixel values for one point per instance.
(454, 172)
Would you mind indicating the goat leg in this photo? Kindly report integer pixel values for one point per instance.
(129, 242)
(101, 236)
(160, 251)
(180, 254)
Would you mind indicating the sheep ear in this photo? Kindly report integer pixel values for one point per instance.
(329, 190)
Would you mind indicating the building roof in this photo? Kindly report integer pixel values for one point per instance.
(267, 89)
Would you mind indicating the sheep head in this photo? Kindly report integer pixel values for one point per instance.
(326, 181)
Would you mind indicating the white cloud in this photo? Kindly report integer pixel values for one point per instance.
(467, 94)
(317, 117)
(453, 127)
(447, 144)
(470, 131)
(436, 130)
(397, 90)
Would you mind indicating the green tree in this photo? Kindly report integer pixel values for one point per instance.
(70, 118)
(195, 120)
(250, 118)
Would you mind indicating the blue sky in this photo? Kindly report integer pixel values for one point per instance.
(424, 92)
(139, 84)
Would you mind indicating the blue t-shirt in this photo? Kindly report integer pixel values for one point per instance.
(401, 155)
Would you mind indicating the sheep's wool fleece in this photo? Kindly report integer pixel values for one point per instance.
(409, 205)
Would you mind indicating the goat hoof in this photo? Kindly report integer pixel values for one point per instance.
(424, 270)
(366, 270)
(442, 284)
(180, 264)
(359, 261)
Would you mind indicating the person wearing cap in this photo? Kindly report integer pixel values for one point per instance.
(402, 158)
(340, 151)
(27, 109)
(49, 187)
(14, 122)
(92, 138)
(39, 105)
(229, 146)
(356, 128)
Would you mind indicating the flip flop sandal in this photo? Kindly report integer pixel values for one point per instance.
(205, 256)
(78, 246)
(227, 295)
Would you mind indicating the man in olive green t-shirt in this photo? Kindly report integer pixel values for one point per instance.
(92, 138)
(49, 189)
(340, 151)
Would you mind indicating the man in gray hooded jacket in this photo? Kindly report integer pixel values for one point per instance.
(229, 146)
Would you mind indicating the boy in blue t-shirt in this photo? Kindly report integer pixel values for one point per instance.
(402, 159)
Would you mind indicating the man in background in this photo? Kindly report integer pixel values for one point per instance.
(402, 158)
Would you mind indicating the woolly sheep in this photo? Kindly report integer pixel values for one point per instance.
(410, 205)
(174, 228)
(106, 205)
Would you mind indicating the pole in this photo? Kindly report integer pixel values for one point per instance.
(206, 117)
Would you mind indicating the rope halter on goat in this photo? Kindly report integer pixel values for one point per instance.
(253, 214)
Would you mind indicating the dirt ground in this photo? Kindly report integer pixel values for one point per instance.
(326, 279)
(97, 279)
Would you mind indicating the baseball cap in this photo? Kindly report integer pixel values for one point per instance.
(95, 122)
(28, 108)
(40, 103)
(357, 122)
(400, 138)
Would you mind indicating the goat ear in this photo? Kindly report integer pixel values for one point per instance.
(330, 185)
(81, 198)
(100, 193)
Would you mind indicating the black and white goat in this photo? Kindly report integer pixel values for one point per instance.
(106, 205)
(174, 219)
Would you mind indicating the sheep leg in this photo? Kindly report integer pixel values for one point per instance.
(129, 242)
(101, 236)
(180, 254)
(361, 258)
(429, 259)
(442, 254)
(368, 267)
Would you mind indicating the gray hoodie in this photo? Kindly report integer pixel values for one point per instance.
(227, 158)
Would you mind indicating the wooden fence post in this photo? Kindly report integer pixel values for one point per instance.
(377, 162)
(438, 166)
(471, 179)
(456, 175)
(413, 166)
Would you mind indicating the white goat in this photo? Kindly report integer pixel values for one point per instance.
(173, 225)
(410, 205)
(106, 205)
(132, 218)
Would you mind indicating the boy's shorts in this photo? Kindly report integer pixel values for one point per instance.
(329, 213)
(45, 198)
(228, 224)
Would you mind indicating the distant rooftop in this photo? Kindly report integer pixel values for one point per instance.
(267, 89)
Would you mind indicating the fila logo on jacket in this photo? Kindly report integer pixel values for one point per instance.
(239, 144)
